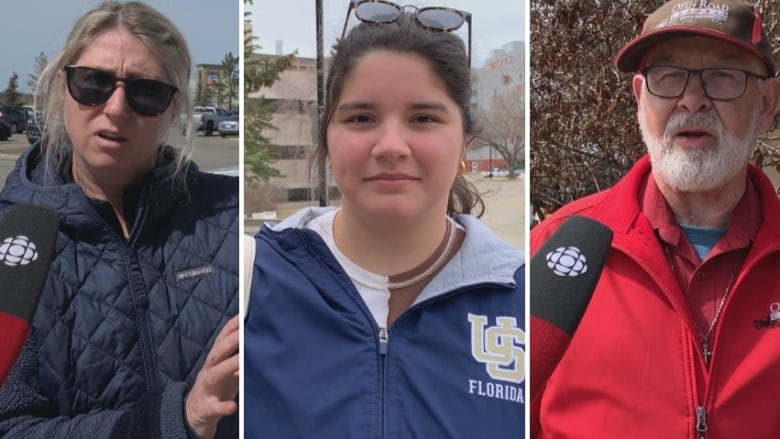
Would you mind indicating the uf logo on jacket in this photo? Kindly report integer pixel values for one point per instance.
(499, 347)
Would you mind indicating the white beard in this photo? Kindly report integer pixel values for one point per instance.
(698, 170)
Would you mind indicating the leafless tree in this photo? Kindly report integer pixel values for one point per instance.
(502, 128)
(584, 134)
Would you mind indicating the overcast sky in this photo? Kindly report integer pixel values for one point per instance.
(33, 26)
(213, 31)
(496, 23)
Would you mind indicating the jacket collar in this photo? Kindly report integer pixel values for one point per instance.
(481, 259)
(621, 206)
(31, 182)
(633, 234)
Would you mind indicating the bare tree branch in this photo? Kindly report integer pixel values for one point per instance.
(584, 133)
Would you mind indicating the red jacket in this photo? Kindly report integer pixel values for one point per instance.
(634, 367)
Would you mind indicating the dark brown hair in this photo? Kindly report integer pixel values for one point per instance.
(446, 55)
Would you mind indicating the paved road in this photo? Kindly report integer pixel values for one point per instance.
(210, 153)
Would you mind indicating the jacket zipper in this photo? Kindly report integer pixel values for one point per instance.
(700, 425)
(141, 301)
(701, 345)
(384, 336)
(383, 340)
(701, 422)
(707, 350)
(137, 287)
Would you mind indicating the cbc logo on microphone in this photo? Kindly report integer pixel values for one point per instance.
(567, 261)
(18, 250)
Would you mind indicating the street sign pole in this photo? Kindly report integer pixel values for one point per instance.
(322, 171)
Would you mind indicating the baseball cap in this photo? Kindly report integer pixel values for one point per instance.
(733, 21)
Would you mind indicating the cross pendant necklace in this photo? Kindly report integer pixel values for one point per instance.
(705, 337)
(705, 350)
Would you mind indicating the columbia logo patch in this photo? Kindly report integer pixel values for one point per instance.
(18, 250)
(567, 261)
(196, 272)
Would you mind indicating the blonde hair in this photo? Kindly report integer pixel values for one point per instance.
(146, 23)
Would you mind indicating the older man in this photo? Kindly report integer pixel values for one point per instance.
(682, 336)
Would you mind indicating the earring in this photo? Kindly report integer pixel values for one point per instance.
(462, 167)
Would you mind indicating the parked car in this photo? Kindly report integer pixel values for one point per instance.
(29, 111)
(5, 131)
(14, 116)
(197, 112)
(204, 119)
(211, 118)
(34, 126)
(197, 117)
(229, 126)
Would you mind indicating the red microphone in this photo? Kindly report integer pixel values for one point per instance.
(564, 273)
(27, 236)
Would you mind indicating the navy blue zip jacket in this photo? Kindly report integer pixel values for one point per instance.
(315, 366)
(123, 327)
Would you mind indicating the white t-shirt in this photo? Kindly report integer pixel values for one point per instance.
(371, 286)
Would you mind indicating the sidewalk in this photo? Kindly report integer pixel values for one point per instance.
(505, 207)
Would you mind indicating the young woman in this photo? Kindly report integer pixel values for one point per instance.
(398, 314)
(133, 336)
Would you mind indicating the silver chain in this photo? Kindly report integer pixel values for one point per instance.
(705, 337)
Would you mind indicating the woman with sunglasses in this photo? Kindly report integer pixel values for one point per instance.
(399, 314)
(133, 335)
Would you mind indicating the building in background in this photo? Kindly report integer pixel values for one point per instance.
(501, 76)
(209, 87)
(294, 96)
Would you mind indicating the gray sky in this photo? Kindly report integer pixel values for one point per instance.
(496, 23)
(33, 26)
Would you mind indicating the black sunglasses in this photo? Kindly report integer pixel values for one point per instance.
(433, 18)
(92, 87)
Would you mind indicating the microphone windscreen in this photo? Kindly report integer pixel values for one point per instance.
(548, 344)
(27, 236)
(564, 272)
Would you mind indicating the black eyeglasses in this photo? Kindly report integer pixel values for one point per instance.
(720, 84)
(92, 87)
(433, 18)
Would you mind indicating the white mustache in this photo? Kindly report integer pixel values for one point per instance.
(705, 119)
